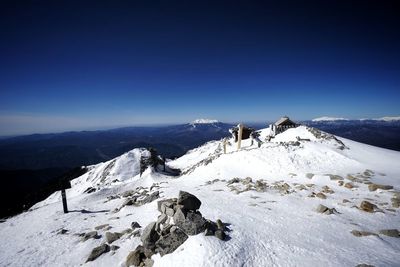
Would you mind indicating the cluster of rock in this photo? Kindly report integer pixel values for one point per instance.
(240, 185)
(326, 136)
(137, 197)
(110, 237)
(180, 217)
(322, 194)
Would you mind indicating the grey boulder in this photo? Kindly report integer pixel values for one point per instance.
(98, 251)
(192, 223)
(188, 201)
(171, 241)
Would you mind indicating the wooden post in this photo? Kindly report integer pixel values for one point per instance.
(240, 132)
(224, 145)
(64, 200)
(164, 163)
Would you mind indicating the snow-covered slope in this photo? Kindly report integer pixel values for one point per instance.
(267, 194)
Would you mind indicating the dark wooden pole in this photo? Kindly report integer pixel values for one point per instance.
(64, 200)
(164, 163)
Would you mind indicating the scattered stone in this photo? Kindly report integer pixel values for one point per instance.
(247, 180)
(89, 190)
(162, 204)
(260, 186)
(233, 181)
(171, 241)
(192, 223)
(321, 195)
(335, 177)
(148, 262)
(395, 202)
(114, 248)
(390, 232)
(99, 227)
(128, 193)
(220, 234)
(98, 251)
(325, 210)
(301, 187)
(345, 201)
(149, 198)
(364, 265)
(111, 237)
(160, 221)
(62, 231)
(149, 235)
(353, 179)
(189, 201)
(88, 235)
(367, 206)
(220, 225)
(362, 233)
(312, 194)
(327, 189)
(126, 231)
(135, 225)
(368, 173)
(136, 257)
(211, 227)
(340, 183)
(128, 202)
(135, 233)
(349, 185)
(321, 208)
(374, 187)
(309, 175)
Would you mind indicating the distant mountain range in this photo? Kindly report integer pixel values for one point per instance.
(326, 118)
(30, 164)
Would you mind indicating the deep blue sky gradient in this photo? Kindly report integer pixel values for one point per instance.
(67, 65)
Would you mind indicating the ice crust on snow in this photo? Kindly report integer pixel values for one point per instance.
(268, 228)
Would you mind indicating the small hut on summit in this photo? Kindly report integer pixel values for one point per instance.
(282, 125)
(245, 134)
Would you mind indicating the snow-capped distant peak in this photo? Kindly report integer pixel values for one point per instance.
(329, 119)
(204, 121)
(389, 119)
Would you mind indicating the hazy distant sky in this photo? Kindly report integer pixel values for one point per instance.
(68, 65)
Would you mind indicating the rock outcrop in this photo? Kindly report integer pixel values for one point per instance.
(180, 217)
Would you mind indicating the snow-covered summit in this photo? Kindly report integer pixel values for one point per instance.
(267, 195)
(204, 121)
(325, 118)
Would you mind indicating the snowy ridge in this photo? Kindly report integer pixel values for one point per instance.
(204, 121)
(325, 118)
(268, 195)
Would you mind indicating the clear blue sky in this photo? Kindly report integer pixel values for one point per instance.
(70, 65)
